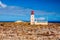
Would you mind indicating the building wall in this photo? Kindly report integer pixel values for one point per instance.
(41, 23)
(32, 19)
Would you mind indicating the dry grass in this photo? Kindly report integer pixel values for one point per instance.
(25, 31)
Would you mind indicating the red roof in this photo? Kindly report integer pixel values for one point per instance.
(32, 12)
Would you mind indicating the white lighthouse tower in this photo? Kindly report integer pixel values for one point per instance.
(32, 18)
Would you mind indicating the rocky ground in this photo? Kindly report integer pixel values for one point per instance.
(25, 31)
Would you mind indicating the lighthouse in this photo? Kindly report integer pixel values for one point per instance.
(32, 18)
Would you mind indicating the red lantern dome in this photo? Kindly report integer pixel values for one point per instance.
(32, 12)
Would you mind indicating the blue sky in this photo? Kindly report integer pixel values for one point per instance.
(13, 10)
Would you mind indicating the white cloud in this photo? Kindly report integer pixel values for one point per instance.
(43, 13)
(18, 12)
(2, 5)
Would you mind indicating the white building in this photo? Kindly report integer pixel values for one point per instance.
(32, 18)
(38, 21)
(41, 21)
